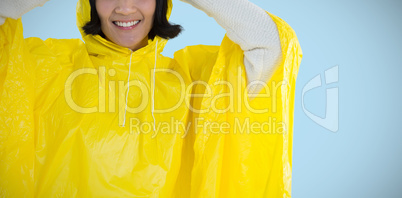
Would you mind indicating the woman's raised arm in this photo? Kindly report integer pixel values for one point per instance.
(252, 29)
(16, 8)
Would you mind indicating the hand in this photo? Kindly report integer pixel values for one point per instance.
(16, 8)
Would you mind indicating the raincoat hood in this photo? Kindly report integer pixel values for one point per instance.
(100, 46)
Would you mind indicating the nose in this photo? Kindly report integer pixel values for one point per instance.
(126, 7)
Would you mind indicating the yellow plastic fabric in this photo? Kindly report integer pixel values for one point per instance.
(62, 108)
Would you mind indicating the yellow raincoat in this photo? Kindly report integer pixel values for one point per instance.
(187, 128)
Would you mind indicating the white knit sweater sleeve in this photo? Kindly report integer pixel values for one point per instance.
(16, 8)
(250, 27)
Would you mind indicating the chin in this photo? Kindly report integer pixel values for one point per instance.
(126, 44)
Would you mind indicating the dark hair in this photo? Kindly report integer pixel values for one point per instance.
(161, 26)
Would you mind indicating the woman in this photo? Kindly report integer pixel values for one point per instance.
(112, 117)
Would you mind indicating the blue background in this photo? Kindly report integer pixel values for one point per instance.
(362, 37)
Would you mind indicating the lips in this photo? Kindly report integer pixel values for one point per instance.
(128, 24)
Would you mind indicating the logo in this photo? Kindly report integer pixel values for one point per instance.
(331, 119)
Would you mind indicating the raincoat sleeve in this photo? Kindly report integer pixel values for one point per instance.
(17, 102)
(17, 83)
(29, 81)
(239, 147)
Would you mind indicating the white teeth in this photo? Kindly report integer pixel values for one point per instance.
(126, 24)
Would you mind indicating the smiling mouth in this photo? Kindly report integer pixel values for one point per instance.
(126, 24)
